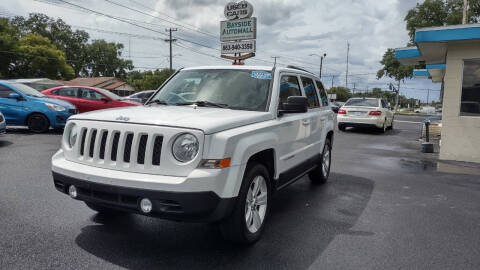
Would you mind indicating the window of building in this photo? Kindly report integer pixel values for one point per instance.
(470, 105)
(5, 91)
(323, 94)
(289, 86)
(310, 92)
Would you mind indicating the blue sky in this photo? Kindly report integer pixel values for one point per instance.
(291, 29)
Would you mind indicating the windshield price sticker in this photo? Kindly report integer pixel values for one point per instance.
(246, 46)
(261, 75)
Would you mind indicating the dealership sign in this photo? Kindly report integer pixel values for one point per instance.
(238, 29)
(245, 46)
(238, 33)
(238, 10)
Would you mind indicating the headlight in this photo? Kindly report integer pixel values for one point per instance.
(72, 135)
(185, 147)
(54, 107)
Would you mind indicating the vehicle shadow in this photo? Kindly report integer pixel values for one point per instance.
(4, 143)
(372, 131)
(305, 218)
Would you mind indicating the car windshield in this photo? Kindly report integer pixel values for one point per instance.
(362, 102)
(27, 90)
(233, 89)
(108, 94)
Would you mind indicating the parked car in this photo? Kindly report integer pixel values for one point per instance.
(336, 106)
(25, 106)
(3, 125)
(39, 84)
(365, 112)
(213, 150)
(140, 97)
(88, 98)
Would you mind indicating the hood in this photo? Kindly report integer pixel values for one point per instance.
(55, 101)
(209, 120)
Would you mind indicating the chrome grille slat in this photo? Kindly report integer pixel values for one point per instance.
(114, 151)
(128, 147)
(142, 147)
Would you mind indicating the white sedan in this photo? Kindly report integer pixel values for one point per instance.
(365, 112)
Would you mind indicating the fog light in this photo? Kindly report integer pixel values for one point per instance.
(72, 191)
(146, 205)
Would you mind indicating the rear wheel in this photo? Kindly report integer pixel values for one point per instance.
(391, 125)
(383, 129)
(341, 127)
(38, 123)
(321, 173)
(246, 223)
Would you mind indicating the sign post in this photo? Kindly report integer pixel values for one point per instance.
(239, 32)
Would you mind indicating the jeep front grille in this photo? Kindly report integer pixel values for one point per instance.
(128, 147)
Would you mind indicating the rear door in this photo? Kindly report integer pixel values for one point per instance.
(313, 122)
(68, 94)
(326, 112)
(92, 100)
(12, 109)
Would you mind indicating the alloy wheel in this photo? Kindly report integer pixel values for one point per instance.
(326, 161)
(256, 204)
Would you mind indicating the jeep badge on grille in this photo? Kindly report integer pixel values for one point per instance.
(123, 118)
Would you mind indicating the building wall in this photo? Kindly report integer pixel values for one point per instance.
(460, 134)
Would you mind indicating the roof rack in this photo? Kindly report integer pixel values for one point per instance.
(295, 67)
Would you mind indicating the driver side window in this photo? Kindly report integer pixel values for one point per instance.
(5, 91)
(289, 86)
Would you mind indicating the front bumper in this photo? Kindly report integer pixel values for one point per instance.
(60, 118)
(181, 206)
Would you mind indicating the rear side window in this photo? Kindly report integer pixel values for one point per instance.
(289, 86)
(89, 94)
(5, 91)
(66, 92)
(323, 94)
(310, 92)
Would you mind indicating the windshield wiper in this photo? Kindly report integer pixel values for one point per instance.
(157, 101)
(203, 103)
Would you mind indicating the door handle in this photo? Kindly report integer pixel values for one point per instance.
(306, 122)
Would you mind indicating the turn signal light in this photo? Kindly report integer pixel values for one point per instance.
(341, 111)
(215, 163)
(376, 113)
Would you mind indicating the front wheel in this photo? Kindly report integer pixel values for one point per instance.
(320, 174)
(246, 223)
(38, 123)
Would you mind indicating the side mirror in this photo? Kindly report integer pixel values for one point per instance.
(15, 96)
(104, 99)
(294, 104)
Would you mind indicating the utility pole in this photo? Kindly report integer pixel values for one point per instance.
(465, 11)
(321, 62)
(397, 92)
(428, 95)
(333, 78)
(353, 92)
(275, 60)
(346, 75)
(170, 40)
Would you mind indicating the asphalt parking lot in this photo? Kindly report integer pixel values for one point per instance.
(386, 207)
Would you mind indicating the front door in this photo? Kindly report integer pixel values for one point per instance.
(12, 109)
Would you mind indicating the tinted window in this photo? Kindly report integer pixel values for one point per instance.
(310, 92)
(362, 102)
(5, 91)
(471, 88)
(289, 86)
(384, 105)
(89, 94)
(323, 94)
(66, 92)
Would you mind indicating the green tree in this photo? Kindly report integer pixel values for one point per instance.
(148, 80)
(392, 67)
(72, 43)
(9, 37)
(343, 94)
(40, 58)
(103, 59)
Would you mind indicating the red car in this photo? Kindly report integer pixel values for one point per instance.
(88, 98)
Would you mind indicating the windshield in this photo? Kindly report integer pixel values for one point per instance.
(27, 90)
(233, 89)
(362, 102)
(108, 94)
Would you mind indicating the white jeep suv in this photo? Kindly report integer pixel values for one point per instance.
(212, 144)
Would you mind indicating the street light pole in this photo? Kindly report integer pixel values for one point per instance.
(321, 62)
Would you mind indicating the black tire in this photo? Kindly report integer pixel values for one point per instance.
(103, 210)
(391, 125)
(319, 175)
(341, 127)
(38, 123)
(384, 128)
(234, 228)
